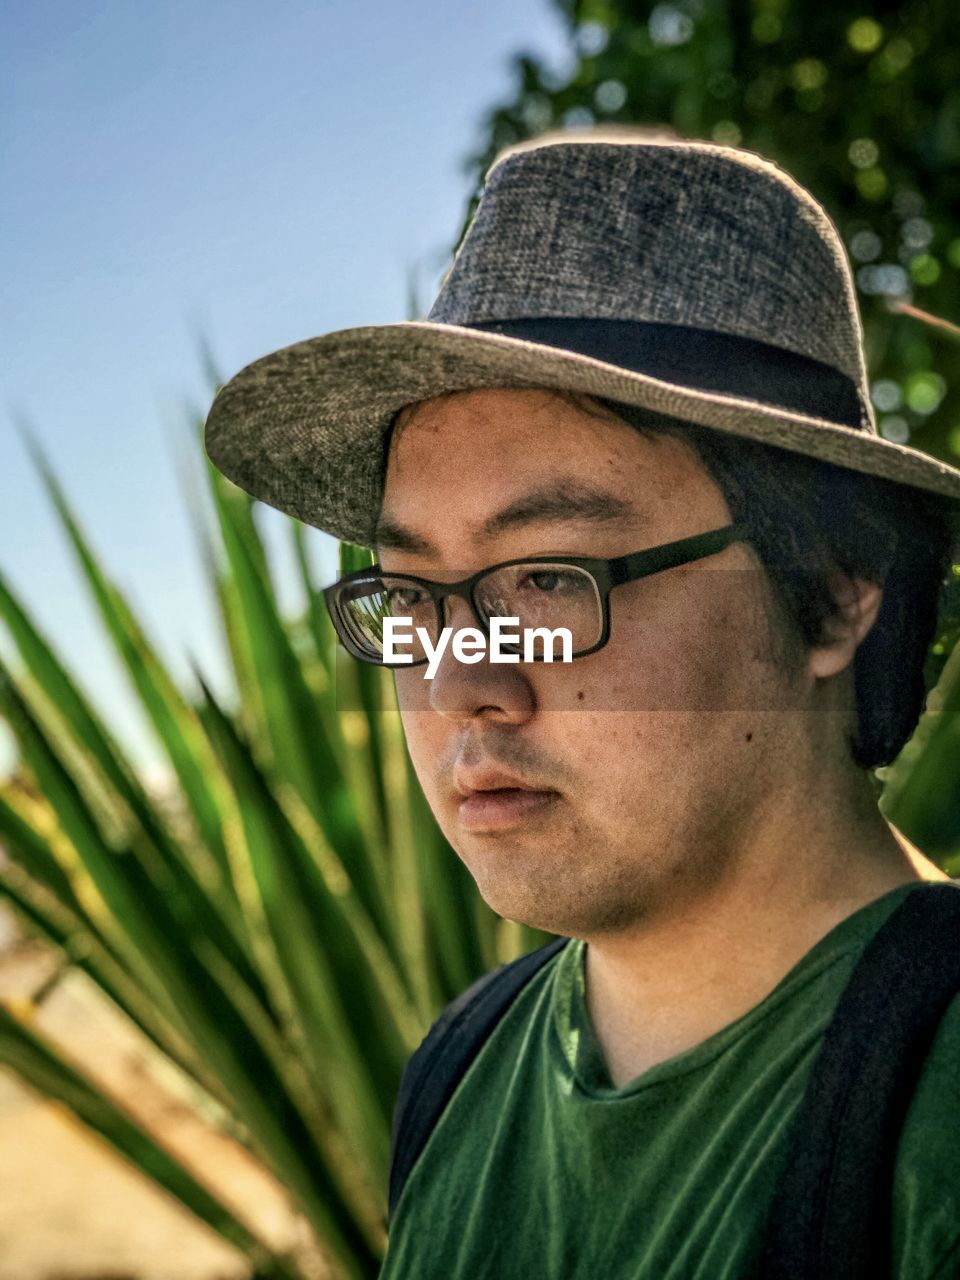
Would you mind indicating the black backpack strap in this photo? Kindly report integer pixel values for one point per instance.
(831, 1214)
(434, 1071)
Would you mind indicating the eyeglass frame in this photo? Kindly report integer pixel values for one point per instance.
(605, 573)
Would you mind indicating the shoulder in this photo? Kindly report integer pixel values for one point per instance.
(926, 1188)
(458, 1045)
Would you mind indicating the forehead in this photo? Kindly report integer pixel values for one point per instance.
(457, 460)
(500, 432)
(528, 409)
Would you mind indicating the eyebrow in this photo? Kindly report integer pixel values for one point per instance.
(556, 503)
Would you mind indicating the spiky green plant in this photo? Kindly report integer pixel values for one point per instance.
(287, 929)
(285, 932)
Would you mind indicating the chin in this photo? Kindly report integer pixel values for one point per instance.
(509, 887)
(536, 915)
(538, 900)
(554, 898)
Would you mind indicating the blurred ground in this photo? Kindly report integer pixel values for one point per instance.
(70, 1207)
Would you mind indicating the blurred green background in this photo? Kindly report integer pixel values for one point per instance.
(283, 922)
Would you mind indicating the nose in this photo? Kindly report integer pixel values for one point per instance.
(463, 691)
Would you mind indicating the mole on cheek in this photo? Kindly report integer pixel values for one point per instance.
(579, 695)
(749, 736)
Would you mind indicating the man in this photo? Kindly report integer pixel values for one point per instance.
(631, 337)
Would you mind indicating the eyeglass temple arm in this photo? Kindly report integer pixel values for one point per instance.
(701, 545)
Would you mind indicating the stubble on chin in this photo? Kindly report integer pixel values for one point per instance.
(566, 885)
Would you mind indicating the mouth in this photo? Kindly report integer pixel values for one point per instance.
(498, 801)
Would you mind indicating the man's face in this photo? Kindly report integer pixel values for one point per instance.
(583, 795)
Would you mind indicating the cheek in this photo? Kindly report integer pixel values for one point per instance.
(645, 665)
(695, 640)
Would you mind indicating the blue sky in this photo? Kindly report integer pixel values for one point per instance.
(254, 173)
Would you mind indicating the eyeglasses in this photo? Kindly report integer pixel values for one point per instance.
(549, 592)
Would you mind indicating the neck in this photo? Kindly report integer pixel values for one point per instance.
(667, 982)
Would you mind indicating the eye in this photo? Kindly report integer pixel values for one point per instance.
(406, 598)
(551, 581)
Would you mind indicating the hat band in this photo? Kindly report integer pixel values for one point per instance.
(701, 359)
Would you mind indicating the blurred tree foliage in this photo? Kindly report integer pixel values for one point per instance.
(860, 102)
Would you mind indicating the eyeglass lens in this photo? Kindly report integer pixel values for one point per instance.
(546, 596)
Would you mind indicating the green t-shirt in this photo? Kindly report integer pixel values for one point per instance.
(541, 1168)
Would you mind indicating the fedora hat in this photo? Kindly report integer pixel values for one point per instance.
(695, 280)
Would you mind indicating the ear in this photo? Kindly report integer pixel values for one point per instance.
(858, 603)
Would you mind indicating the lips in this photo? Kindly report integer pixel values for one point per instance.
(494, 800)
(470, 781)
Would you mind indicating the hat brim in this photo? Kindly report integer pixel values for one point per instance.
(304, 429)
